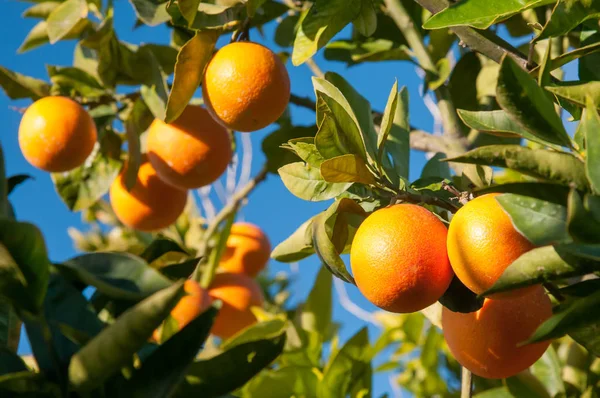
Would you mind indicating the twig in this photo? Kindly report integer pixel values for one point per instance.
(207, 204)
(243, 32)
(232, 206)
(466, 384)
(430, 200)
(350, 306)
(530, 62)
(314, 68)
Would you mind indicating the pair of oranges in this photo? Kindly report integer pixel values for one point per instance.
(246, 254)
(246, 87)
(403, 259)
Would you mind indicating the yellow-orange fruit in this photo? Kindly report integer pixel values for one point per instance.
(246, 86)
(239, 293)
(485, 341)
(482, 243)
(399, 259)
(195, 302)
(150, 205)
(247, 251)
(56, 134)
(190, 152)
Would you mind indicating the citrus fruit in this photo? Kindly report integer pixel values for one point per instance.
(56, 134)
(151, 204)
(486, 341)
(195, 302)
(247, 250)
(246, 86)
(238, 293)
(398, 258)
(190, 152)
(482, 243)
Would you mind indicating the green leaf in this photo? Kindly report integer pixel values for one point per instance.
(307, 183)
(289, 381)
(41, 10)
(189, 71)
(331, 235)
(528, 105)
(567, 15)
(375, 50)
(498, 392)
(138, 120)
(276, 155)
(458, 298)
(154, 91)
(559, 167)
(444, 69)
(80, 188)
(398, 141)
(306, 149)
(297, 246)
(577, 93)
(5, 206)
(17, 86)
(498, 123)
(590, 126)
(462, 89)
(571, 315)
(151, 12)
(164, 370)
(13, 181)
(347, 366)
(548, 371)
(317, 309)
(541, 222)
(540, 190)
(28, 384)
(435, 167)
(285, 32)
(63, 305)
(387, 121)
(24, 265)
(118, 275)
(346, 168)
(333, 102)
(252, 6)
(480, 14)
(226, 372)
(115, 346)
(71, 78)
(580, 222)
(37, 36)
(366, 22)
(188, 9)
(588, 52)
(10, 327)
(10, 362)
(543, 264)
(160, 247)
(526, 385)
(64, 18)
(430, 350)
(320, 24)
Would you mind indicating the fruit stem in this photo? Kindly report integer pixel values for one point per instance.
(205, 278)
(243, 33)
(466, 384)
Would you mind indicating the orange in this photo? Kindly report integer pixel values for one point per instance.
(195, 302)
(485, 341)
(151, 205)
(247, 251)
(246, 86)
(482, 243)
(399, 259)
(56, 134)
(238, 293)
(190, 152)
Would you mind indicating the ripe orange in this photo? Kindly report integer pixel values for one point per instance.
(482, 243)
(485, 341)
(151, 204)
(246, 86)
(192, 151)
(238, 292)
(247, 251)
(195, 302)
(56, 134)
(399, 259)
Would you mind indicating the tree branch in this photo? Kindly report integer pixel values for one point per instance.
(466, 385)
(207, 276)
(482, 41)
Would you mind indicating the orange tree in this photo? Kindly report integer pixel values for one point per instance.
(168, 317)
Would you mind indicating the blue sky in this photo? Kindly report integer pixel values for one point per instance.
(271, 206)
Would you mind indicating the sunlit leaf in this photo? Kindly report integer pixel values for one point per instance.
(17, 86)
(297, 246)
(566, 15)
(346, 168)
(64, 18)
(316, 311)
(307, 183)
(590, 127)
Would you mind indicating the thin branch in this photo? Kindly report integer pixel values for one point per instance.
(466, 384)
(207, 204)
(247, 155)
(350, 306)
(430, 200)
(314, 68)
(482, 41)
(232, 206)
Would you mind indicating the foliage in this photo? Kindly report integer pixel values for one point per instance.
(503, 131)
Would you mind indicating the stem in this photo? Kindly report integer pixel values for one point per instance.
(466, 384)
(450, 120)
(314, 68)
(206, 277)
(430, 200)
